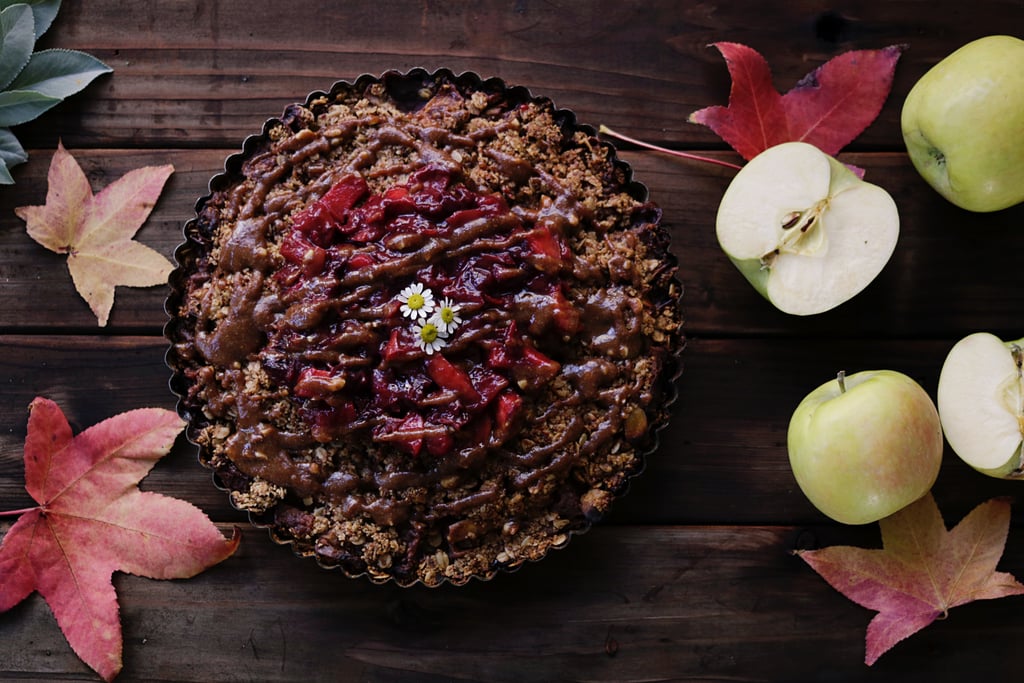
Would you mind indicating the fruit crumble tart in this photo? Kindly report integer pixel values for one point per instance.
(425, 327)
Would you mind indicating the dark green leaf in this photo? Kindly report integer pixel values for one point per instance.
(17, 37)
(11, 151)
(19, 106)
(44, 12)
(11, 154)
(59, 73)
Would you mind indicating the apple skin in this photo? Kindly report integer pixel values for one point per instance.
(979, 399)
(963, 125)
(864, 453)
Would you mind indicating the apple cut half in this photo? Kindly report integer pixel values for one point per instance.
(804, 229)
(981, 403)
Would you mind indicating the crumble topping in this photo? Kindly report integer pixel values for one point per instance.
(425, 337)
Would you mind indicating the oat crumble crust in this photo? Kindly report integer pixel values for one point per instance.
(350, 497)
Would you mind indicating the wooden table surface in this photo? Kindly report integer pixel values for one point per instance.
(691, 576)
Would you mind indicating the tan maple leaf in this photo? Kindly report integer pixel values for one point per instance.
(92, 520)
(97, 231)
(922, 570)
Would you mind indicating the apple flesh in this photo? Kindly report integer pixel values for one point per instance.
(805, 230)
(865, 446)
(963, 124)
(981, 403)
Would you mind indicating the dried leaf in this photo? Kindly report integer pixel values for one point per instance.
(92, 520)
(922, 571)
(828, 108)
(96, 231)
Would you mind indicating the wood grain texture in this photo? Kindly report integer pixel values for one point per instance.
(690, 577)
(623, 604)
(191, 73)
(944, 279)
(722, 459)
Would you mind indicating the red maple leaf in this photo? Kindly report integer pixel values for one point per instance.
(828, 108)
(92, 520)
(922, 570)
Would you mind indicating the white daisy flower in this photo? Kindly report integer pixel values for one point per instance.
(446, 316)
(417, 301)
(430, 338)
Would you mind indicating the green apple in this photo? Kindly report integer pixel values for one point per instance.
(981, 403)
(864, 446)
(963, 124)
(804, 229)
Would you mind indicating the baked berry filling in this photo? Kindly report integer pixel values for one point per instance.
(422, 316)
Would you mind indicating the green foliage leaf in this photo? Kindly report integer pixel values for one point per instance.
(11, 151)
(33, 82)
(19, 106)
(59, 73)
(11, 154)
(43, 11)
(17, 37)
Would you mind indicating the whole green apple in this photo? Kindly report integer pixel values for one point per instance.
(864, 446)
(963, 124)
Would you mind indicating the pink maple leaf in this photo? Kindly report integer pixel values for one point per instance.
(92, 520)
(922, 570)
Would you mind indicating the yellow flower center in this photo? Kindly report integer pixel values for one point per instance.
(415, 302)
(428, 333)
(447, 315)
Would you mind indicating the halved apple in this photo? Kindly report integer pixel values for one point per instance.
(804, 229)
(981, 403)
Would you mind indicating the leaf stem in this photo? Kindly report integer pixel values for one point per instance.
(605, 130)
(15, 513)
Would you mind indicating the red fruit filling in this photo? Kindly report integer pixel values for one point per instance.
(352, 360)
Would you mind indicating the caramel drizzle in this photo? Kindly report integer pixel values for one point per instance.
(260, 450)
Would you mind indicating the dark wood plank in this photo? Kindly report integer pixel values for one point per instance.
(691, 576)
(206, 74)
(38, 291)
(723, 455)
(623, 604)
(93, 378)
(722, 459)
(940, 281)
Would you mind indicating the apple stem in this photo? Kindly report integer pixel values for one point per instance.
(605, 130)
(841, 378)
